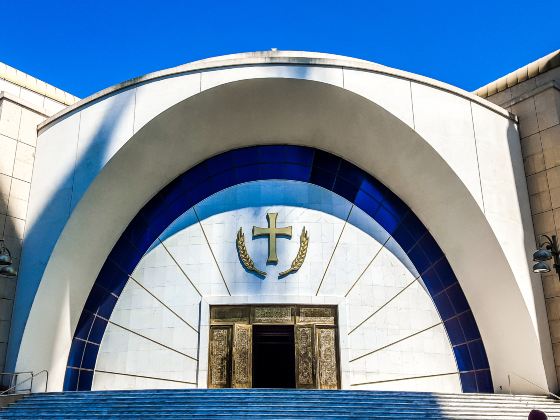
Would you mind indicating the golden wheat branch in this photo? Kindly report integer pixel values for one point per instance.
(300, 257)
(244, 254)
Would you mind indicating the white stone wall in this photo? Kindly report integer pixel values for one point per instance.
(152, 331)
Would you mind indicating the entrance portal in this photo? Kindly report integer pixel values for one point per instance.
(274, 356)
(273, 347)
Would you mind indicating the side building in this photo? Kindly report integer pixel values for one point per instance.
(533, 94)
(25, 102)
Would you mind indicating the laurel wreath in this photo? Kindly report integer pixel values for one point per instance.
(300, 257)
(249, 264)
(244, 255)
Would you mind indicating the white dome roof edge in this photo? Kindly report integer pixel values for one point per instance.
(275, 57)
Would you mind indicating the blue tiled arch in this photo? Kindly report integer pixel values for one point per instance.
(289, 163)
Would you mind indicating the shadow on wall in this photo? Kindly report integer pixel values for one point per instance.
(42, 235)
(16, 152)
(11, 235)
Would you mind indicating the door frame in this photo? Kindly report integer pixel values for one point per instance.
(299, 315)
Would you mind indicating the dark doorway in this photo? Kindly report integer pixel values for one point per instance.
(273, 356)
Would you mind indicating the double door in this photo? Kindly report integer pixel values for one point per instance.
(235, 357)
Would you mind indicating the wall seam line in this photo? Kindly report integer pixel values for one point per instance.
(163, 303)
(395, 342)
(179, 266)
(477, 159)
(150, 339)
(211, 251)
(412, 105)
(334, 250)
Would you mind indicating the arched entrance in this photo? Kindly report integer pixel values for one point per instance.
(268, 112)
(293, 163)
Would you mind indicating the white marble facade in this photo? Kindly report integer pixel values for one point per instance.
(152, 340)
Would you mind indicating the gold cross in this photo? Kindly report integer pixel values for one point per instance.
(272, 232)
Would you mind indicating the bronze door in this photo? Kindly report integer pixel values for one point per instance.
(316, 357)
(219, 366)
(326, 356)
(305, 363)
(242, 356)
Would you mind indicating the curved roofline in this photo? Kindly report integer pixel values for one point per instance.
(274, 57)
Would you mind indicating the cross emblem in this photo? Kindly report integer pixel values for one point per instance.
(272, 232)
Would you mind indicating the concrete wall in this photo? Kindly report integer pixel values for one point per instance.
(25, 102)
(537, 104)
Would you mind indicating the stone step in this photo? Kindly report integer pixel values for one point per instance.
(278, 404)
(123, 401)
(296, 394)
(338, 402)
(283, 391)
(215, 410)
(242, 414)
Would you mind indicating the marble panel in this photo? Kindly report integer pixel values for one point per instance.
(5, 185)
(104, 128)
(53, 184)
(52, 107)
(28, 127)
(424, 354)
(7, 288)
(446, 384)
(23, 165)
(8, 155)
(406, 314)
(169, 285)
(356, 250)
(32, 97)
(142, 313)
(124, 352)
(152, 98)
(391, 93)
(551, 146)
(6, 309)
(527, 114)
(108, 381)
(10, 117)
(547, 106)
(451, 135)
(10, 88)
(542, 202)
(19, 196)
(14, 227)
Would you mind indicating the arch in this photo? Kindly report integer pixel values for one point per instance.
(295, 163)
(296, 112)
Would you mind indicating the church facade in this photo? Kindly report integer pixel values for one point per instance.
(286, 219)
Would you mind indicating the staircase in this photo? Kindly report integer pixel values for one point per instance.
(276, 404)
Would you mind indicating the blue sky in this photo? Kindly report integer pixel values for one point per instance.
(84, 46)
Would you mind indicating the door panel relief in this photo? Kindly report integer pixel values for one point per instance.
(305, 375)
(242, 356)
(326, 357)
(219, 357)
